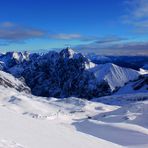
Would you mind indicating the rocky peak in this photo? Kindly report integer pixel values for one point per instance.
(67, 53)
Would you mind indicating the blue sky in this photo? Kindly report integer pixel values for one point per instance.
(106, 27)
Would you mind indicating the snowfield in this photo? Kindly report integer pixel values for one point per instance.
(35, 132)
(27, 121)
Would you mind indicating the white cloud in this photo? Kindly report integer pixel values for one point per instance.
(63, 36)
(117, 48)
(11, 32)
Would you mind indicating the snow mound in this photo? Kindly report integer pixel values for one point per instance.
(136, 113)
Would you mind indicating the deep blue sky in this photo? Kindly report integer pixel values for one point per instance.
(101, 26)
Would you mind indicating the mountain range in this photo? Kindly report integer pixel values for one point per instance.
(64, 99)
(66, 74)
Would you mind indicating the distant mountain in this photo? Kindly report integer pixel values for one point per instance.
(134, 62)
(99, 59)
(12, 58)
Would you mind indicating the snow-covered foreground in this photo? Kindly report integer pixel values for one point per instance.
(33, 133)
(34, 122)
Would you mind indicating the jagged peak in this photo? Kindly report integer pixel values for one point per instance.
(68, 52)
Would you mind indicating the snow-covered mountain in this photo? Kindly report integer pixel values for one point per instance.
(114, 75)
(114, 121)
(66, 74)
(12, 58)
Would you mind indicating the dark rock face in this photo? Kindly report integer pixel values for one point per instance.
(143, 81)
(59, 75)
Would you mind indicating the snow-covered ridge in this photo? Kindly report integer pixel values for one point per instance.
(114, 75)
(9, 81)
(138, 86)
(18, 56)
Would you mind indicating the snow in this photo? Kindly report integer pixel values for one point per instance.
(21, 131)
(9, 77)
(143, 71)
(9, 81)
(9, 144)
(37, 133)
(122, 99)
(34, 122)
(115, 76)
(89, 65)
(51, 74)
(118, 120)
(128, 89)
(138, 86)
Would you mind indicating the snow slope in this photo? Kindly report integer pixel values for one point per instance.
(32, 133)
(122, 99)
(114, 75)
(21, 131)
(138, 86)
(35, 122)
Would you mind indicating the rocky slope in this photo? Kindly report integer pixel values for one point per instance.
(8, 81)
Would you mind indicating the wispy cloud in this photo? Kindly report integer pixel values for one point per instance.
(14, 33)
(63, 36)
(110, 39)
(119, 47)
(7, 24)
(10, 32)
(137, 15)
